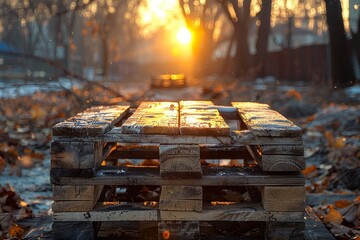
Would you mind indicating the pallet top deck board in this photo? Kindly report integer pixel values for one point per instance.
(264, 122)
(153, 118)
(197, 119)
(91, 122)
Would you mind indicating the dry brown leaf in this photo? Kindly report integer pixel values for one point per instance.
(309, 170)
(2, 164)
(342, 203)
(295, 94)
(333, 216)
(16, 231)
(38, 112)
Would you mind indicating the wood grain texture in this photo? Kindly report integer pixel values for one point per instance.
(180, 161)
(297, 150)
(91, 122)
(77, 205)
(76, 155)
(75, 193)
(281, 163)
(181, 198)
(197, 119)
(116, 135)
(153, 118)
(179, 230)
(134, 212)
(264, 122)
(283, 199)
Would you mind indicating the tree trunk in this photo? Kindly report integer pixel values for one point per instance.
(105, 56)
(341, 65)
(262, 40)
(242, 51)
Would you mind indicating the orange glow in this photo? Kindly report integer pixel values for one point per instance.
(183, 36)
(166, 234)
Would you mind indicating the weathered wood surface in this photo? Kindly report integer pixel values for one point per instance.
(76, 193)
(91, 122)
(212, 176)
(181, 198)
(77, 205)
(137, 151)
(278, 162)
(197, 119)
(296, 150)
(283, 198)
(179, 230)
(138, 212)
(281, 163)
(76, 155)
(180, 161)
(240, 138)
(264, 122)
(153, 118)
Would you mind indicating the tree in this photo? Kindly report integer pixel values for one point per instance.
(202, 18)
(341, 65)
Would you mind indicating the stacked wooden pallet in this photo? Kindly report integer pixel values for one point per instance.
(168, 81)
(179, 135)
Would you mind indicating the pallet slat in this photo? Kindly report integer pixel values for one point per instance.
(264, 122)
(197, 119)
(153, 118)
(91, 122)
(136, 212)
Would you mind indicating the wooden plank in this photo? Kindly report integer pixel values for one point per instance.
(197, 119)
(246, 137)
(77, 205)
(263, 121)
(281, 163)
(115, 135)
(153, 118)
(106, 212)
(297, 150)
(91, 122)
(180, 161)
(283, 199)
(76, 193)
(212, 176)
(181, 198)
(137, 151)
(179, 230)
(76, 155)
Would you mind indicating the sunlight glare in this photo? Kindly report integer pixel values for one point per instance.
(183, 36)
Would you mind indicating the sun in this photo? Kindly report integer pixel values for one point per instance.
(183, 36)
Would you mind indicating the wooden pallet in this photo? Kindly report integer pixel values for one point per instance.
(180, 136)
(168, 81)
